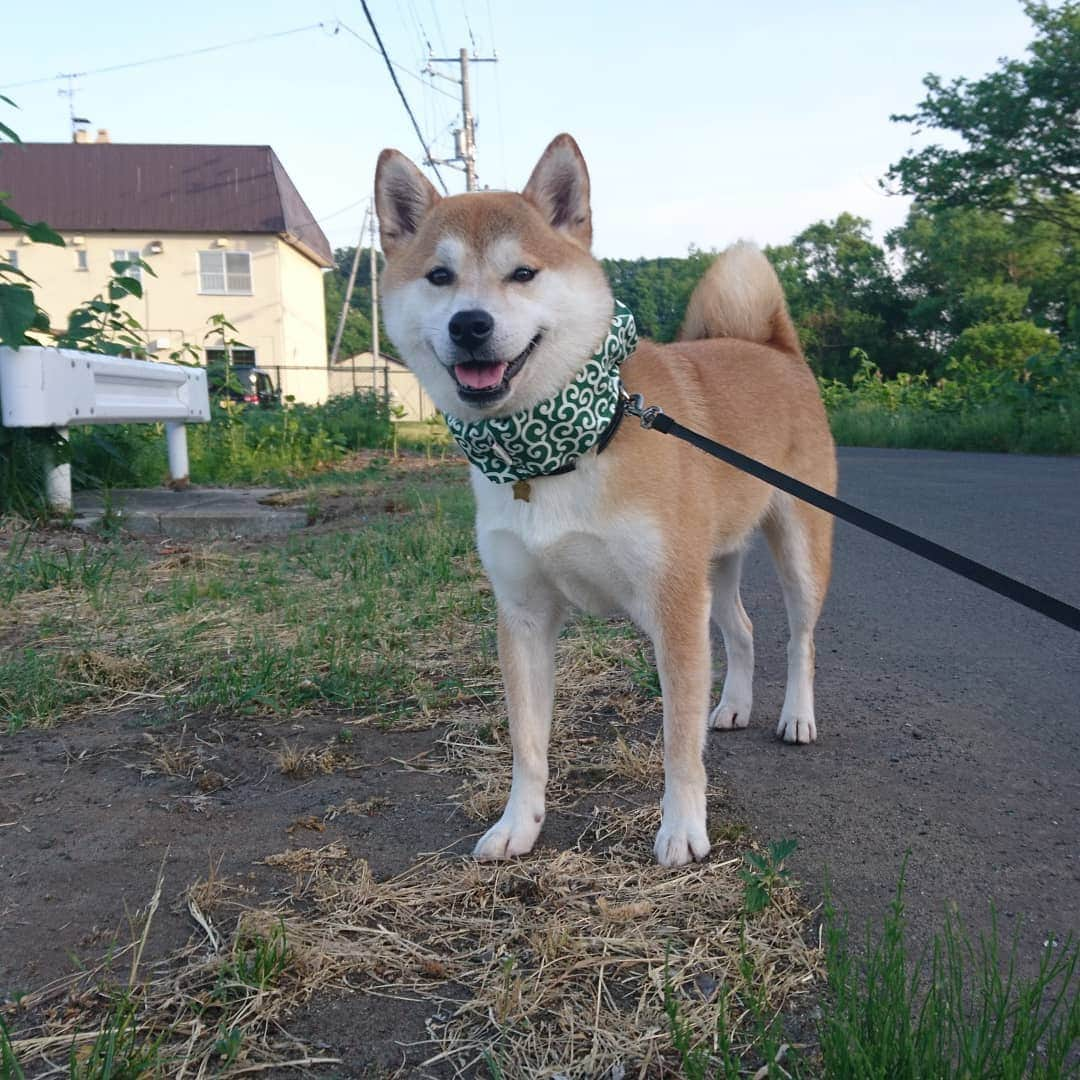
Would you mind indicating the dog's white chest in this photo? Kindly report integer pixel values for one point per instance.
(600, 562)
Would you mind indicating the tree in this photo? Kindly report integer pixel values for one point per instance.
(657, 290)
(356, 337)
(842, 296)
(1021, 125)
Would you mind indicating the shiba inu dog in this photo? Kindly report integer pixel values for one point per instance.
(495, 302)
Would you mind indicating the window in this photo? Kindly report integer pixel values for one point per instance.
(12, 257)
(226, 272)
(122, 255)
(240, 357)
(82, 259)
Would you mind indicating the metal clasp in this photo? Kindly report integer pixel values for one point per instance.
(634, 405)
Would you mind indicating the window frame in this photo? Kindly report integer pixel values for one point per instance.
(226, 291)
(128, 255)
(82, 261)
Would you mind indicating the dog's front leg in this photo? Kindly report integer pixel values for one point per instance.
(681, 640)
(527, 658)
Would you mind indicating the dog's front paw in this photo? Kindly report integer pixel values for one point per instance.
(513, 834)
(730, 713)
(796, 727)
(681, 840)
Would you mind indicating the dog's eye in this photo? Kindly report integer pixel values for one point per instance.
(439, 275)
(523, 274)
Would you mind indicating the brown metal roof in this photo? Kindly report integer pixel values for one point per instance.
(154, 188)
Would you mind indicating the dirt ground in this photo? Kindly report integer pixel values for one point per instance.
(917, 755)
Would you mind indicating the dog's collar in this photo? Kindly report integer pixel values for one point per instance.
(549, 438)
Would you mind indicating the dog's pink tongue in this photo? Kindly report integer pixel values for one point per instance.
(479, 376)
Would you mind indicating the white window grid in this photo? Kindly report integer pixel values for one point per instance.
(12, 256)
(82, 259)
(225, 273)
(128, 255)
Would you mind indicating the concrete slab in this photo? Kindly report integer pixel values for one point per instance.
(197, 513)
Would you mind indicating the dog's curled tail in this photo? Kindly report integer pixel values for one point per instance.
(740, 297)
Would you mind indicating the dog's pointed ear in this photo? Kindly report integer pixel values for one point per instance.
(559, 189)
(403, 195)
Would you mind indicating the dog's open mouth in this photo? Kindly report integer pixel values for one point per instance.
(483, 382)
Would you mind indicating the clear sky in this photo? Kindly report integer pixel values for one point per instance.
(701, 122)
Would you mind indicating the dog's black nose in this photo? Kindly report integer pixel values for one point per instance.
(470, 329)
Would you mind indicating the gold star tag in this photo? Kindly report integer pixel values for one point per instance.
(522, 490)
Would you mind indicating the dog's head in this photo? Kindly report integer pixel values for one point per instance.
(492, 298)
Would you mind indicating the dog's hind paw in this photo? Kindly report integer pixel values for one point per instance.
(796, 727)
(730, 714)
(508, 837)
(681, 842)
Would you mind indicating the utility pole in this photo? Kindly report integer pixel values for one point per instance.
(348, 297)
(374, 301)
(465, 136)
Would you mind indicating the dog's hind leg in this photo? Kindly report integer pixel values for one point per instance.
(527, 658)
(729, 616)
(680, 634)
(800, 538)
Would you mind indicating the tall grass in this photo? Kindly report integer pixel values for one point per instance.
(958, 1010)
(241, 444)
(1034, 409)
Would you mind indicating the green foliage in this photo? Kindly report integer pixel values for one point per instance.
(356, 337)
(242, 444)
(842, 296)
(1018, 126)
(1033, 407)
(765, 874)
(122, 1050)
(1003, 344)
(657, 290)
(964, 1012)
(10, 1069)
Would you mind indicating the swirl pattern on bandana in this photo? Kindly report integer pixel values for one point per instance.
(556, 432)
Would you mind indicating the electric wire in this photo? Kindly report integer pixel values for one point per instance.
(404, 100)
(401, 67)
(168, 56)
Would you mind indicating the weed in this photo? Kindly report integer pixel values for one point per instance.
(257, 962)
(122, 1050)
(9, 1063)
(765, 874)
(957, 1010)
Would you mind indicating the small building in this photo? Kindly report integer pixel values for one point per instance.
(223, 227)
(388, 376)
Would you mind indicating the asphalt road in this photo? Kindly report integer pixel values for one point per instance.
(948, 717)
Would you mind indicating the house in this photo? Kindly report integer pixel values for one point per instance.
(223, 228)
(389, 376)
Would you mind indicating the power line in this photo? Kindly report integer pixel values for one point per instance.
(401, 67)
(404, 100)
(167, 57)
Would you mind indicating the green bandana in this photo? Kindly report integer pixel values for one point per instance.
(552, 435)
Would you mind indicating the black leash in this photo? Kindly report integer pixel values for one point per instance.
(653, 417)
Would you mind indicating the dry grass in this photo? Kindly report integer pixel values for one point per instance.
(552, 965)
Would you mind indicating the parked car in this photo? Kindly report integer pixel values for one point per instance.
(252, 385)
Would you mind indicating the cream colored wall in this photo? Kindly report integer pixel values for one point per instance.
(281, 320)
(303, 318)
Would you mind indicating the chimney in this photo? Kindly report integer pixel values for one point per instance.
(80, 135)
(103, 135)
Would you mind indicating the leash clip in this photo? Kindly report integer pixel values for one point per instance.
(634, 404)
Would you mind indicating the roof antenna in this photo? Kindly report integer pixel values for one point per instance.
(78, 134)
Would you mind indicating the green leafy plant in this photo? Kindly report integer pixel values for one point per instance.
(9, 1063)
(103, 325)
(765, 874)
(122, 1050)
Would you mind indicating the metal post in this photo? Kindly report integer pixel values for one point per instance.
(58, 481)
(176, 440)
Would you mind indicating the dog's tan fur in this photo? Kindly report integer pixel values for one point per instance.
(652, 527)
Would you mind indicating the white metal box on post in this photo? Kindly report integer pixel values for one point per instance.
(43, 387)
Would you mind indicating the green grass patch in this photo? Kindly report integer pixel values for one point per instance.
(959, 1009)
(363, 619)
